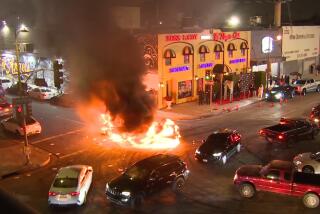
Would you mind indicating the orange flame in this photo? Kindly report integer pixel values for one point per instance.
(164, 135)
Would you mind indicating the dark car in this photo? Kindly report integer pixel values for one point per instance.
(290, 130)
(219, 146)
(315, 115)
(5, 107)
(146, 177)
(280, 93)
(65, 100)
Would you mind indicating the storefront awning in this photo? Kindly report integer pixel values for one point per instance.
(221, 68)
(244, 45)
(187, 50)
(169, 53)
(218, 48)
(231, 47)
(204, 49)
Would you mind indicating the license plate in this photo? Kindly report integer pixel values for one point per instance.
(63, 197)
(205, 160)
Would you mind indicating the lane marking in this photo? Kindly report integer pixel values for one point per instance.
(74, 121)
(56, 136)
(73, 153)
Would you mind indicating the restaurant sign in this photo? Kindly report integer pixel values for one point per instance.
(222, 36)
(181, 37)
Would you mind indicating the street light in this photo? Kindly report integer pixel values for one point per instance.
(234, 21)
(5, 29)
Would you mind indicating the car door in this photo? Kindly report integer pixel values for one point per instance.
(313, 86)
(167, 174)
(270, 181)
(154, 182)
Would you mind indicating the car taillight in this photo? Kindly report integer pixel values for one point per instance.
(52, 193)
(10, 105)
(280, 137)
(0, 108)
(74, 193)
(261, 132)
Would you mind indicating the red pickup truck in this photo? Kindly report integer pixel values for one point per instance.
(278, 177)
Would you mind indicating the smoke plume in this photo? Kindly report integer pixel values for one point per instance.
(104, 60)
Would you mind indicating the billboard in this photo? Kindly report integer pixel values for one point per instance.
(300, 42)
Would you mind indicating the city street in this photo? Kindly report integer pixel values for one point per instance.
(209, 188)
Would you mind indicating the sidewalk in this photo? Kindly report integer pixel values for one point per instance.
(192, 110)
(13, 160)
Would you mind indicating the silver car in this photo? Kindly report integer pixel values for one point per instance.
(70, 186)
(308, 162)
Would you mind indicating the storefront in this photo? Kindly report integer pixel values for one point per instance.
(300, 47)
(186, 61)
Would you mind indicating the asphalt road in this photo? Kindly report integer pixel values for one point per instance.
(209, 188)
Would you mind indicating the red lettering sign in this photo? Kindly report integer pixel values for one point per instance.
(225, 37)
(184, 37)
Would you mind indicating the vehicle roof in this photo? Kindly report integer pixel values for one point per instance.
(224, 131)
(70, 171)
(281, 165)
(293, 119)
(157, 161)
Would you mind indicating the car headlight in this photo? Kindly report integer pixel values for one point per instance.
(316, 120)
(198, 152)
(278, 95)
(126, 193)
(217, 154)
(297, 162)
(267, 95)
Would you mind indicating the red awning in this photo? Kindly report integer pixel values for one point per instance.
(244, 45)
(187, 50)
(204, 49)
(169, 53)
(231, 47)
(218, 48)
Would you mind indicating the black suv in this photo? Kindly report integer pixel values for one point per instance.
(146, 177)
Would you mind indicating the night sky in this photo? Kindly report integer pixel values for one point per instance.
(206, 12)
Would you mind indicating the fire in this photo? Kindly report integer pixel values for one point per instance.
(159, 135)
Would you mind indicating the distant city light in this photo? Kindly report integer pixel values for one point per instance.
(160, 22)
(234, 21)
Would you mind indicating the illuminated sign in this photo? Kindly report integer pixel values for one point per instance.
(182, 37)
(235, 61)
(267, 44)
(179, 69)
(206, 37)
(206, 65)
(226, 36)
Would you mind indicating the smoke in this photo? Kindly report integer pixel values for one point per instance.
(105, 61)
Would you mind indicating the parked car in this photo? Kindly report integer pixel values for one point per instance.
(278, 177)
(5, 83)
(315, 115)
(308, 162)
(289, 131)
(146, 177)
(280, 93)
(5, 107)
(65, 100)
(219, 146)
(70, 186)
(15, 126)
(305, 86)
(43, 93)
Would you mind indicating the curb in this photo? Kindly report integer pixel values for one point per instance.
(27, 168)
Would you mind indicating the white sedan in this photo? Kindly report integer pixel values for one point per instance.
(308, 162)
(43, 93)
(5, 82)
(15, 126)
(70, 186)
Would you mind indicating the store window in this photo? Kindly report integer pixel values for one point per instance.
(230, 54)
(231, 48)
(186, 59)
(184, 89)
(187, 51)
(202, 57)
(168, 61)
(168, 55)
(203, 50)
(243, 52)
(243, 48)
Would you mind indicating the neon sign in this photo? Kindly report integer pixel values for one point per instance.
(206, 65)
(235, 61)
(182, 37)
(179, 69)
(225, 36)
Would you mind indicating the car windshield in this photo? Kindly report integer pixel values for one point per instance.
(137, 173)
(215, 141)
(65, 182)
(300, 82)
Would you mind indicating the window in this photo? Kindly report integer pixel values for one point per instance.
(186, 59)
(202, 57)
(230, 54)
(273, 175)
(243, 52)
(217, 55)
(168, 61)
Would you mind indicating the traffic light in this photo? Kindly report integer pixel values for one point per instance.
(58, 74)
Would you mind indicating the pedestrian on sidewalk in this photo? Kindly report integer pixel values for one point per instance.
(251, 90)
(260, 91)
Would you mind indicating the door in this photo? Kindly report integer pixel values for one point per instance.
(270, 181)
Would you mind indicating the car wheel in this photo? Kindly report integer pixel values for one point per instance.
(178, 184)
(238, 147)
(318, 88)
(311, 200)
(304, 92)
(137, 201)
(308, 169)
(247, 190)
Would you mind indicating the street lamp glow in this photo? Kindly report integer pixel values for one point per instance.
(234, 21)
(5, 29)
(279, 37)
(23, 28)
